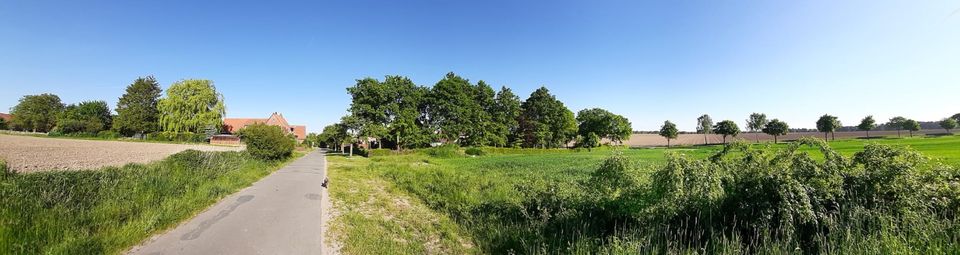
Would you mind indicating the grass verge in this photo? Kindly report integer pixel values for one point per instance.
(374, 217)
(111, 209)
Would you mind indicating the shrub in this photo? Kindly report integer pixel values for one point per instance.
(475, 151)
(267, 142)
(108, 134)
(444, 151)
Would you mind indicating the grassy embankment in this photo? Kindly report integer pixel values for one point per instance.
(539, 201)
(111, 209)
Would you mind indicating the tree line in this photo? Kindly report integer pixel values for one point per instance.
(827, 124)
(191, 106)
(399, 114)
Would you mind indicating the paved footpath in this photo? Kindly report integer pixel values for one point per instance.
(280, 214)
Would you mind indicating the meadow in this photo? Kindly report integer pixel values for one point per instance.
(106, 211)
(883, 195)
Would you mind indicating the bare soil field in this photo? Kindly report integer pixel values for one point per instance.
(31, 154)
(650, 140)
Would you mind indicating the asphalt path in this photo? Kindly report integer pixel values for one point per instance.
(280, 214)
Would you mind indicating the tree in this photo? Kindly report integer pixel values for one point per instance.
(588, 141)
(704, 126)
(776, 128)
(333, 135)
(86, 117)
(948, 124)
(37, 113)
(3, 124)
(669, 131)
(545, 122)
(756, 122)
(867, 124)
(727, 128)
(604, 124)
(911, 125)
(827, 124)
(191, 106)
(898, 123)
(137, 109)
(453, 107)
(956, 117)
(352, 126)
(506, 110)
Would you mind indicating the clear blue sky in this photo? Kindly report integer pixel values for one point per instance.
(653, 61)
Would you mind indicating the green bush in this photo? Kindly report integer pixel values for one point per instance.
(444, 151)
(108, 134)
(475, 151)
(267, 142)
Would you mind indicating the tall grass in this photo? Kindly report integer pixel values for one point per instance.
(782, 199)
(108, 210)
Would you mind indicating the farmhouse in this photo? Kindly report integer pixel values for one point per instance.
(232, 125)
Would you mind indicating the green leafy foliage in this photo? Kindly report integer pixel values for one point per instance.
(776, 128)
(911, 125)
(177, 137)
(443, 151)
(897, 123)
(191, 106)
(948, 124)
(726, 128)
(545, 122)
(828, 124)
(603, 123)
(137, 109)
(867, 124)
(88, 117)
(475, 151)
(3, 124)
(37, 113)
(505, 112)
(267, 142)
(668, 131)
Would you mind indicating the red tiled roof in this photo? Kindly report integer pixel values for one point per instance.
(6, 117)
(300, 131)
(233, 124)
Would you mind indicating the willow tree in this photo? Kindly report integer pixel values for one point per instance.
(191, 106)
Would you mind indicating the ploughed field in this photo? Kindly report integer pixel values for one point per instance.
(856, 196)
(652, 140)
(31, 154)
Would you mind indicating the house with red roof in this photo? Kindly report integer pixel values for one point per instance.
(6, 117)
(232, 125)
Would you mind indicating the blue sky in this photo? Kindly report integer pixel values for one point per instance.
(649, 61)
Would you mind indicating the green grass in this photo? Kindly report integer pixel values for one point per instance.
(111, 209)
(496, 201)
(374, 217)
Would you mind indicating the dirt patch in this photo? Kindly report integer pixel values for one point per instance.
(32, 154)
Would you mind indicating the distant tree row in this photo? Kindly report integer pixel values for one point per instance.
(191, 106)
(827, 124)
(400, 114)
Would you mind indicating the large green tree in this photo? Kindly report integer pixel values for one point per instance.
(37, 113)
(898, 123)
(370, 104)
(669, 131)
(86, 117)
(911, 125)
(506, 110)
(704, 126)
(727, 128)
(545, 122)
(333, 135)
(604, 124)
(867, 124)
(776, 128)
(455, 111)
(137, 109)
(828, 124)
(956, 117)
(756, 122)
(191, 106)
(948, 124)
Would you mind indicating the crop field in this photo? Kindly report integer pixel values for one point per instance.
(860, 196)
(31, 154)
